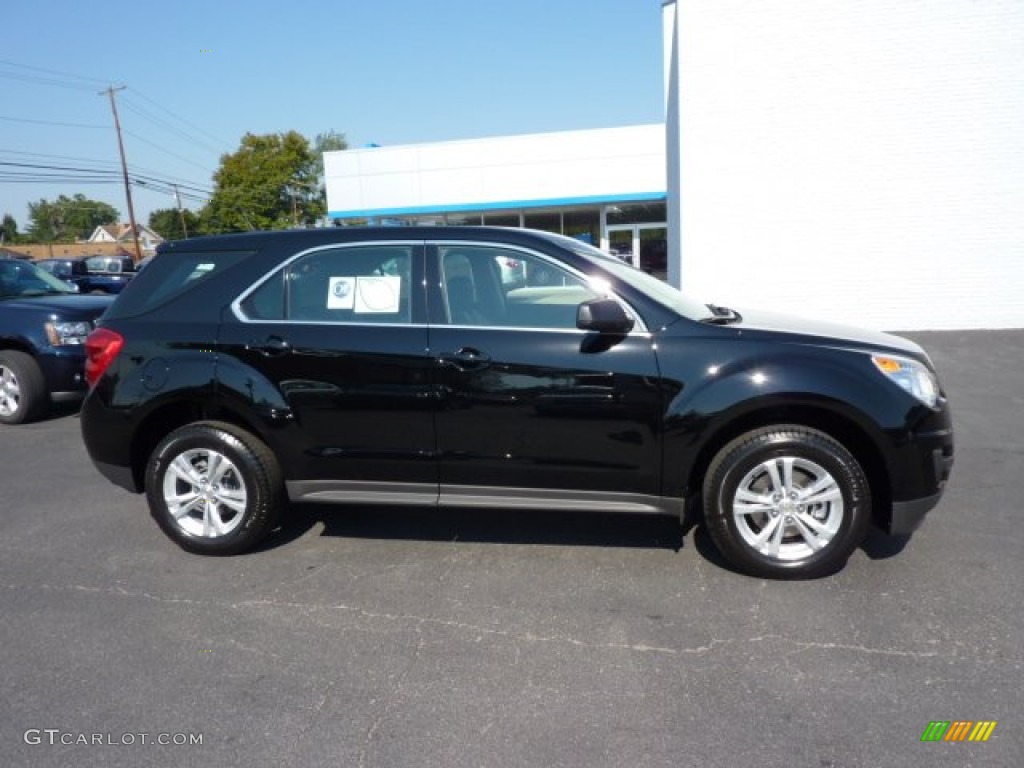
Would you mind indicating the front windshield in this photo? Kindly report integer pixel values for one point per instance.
(21, 278)
(659, 290)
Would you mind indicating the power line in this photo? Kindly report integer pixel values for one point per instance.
(180, 180)
(52, 122)
(143, 179)
(52, 71)
(159, 122)
(167, 151)
(54, 167)
(192, 125)
(19, 178)
(45, 81)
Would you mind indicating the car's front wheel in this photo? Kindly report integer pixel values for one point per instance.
(23, 395)
(786, 502)
(214, 488)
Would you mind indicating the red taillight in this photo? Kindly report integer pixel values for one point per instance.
(101, 347)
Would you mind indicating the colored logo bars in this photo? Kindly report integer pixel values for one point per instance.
(958, 730)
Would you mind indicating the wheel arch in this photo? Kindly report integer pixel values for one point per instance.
(841, 427)
(170, 416)
(10, 344)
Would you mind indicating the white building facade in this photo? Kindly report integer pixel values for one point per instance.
(859, 161)
(605, 186)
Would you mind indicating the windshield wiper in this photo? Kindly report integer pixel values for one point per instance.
(722, 315)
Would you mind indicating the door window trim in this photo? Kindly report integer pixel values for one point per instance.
(639, 327)
(236, 305)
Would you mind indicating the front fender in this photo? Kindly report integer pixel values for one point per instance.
(752, 388)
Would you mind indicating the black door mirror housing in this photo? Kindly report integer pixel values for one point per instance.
(603, 316)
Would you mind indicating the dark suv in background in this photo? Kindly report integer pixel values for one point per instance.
(92, 274)
(406, 366)
(43, 326)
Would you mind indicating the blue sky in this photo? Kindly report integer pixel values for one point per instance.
(389, 72)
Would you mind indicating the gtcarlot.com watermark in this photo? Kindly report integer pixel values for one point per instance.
(54, 736)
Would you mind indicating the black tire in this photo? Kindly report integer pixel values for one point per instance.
(23, 397)
(804, 535)
(252, 481)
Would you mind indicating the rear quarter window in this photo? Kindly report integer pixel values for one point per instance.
(170, 276)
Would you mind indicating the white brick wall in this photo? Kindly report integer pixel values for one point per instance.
(862, 159)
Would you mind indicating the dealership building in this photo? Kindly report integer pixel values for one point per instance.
(857, 161)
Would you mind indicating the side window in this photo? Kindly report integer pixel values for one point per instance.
(365, 284)
(495, 287)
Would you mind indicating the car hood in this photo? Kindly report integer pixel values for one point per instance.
(60, 303)
(822, 330)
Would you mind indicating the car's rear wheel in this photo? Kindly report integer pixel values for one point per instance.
(23, 395)
(786, 502)
(214, 488)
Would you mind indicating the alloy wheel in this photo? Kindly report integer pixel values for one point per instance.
(204, 493)
(788, 508)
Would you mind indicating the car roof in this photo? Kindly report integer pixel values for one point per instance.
(307, 238)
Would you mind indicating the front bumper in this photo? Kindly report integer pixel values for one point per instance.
(64, 373)
(919, 473)
(908, 515)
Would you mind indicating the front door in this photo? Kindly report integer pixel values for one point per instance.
(530, 407)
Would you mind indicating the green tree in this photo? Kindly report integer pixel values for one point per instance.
(325, 142)
(9, 230)
(329, 142)
(269, 183)
(166, 222)
(68, 218)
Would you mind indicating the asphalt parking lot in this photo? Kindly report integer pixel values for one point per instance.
(397, 637)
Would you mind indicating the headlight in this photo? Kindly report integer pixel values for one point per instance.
(64, 334)
(913, 376)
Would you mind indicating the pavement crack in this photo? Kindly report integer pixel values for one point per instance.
(480, 632)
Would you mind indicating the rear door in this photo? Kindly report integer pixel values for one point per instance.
(332, 349)
(533, 411)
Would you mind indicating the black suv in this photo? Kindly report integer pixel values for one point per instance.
(397, 366)
(43, 326)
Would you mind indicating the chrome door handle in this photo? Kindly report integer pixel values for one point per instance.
(270, 346)
(465, 359)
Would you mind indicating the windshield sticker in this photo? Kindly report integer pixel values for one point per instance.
(378, 293)
(341, 293)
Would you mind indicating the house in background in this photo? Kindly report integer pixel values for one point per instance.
(122, 234)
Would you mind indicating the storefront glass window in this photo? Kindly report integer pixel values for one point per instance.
(463, 219)
(501, 219)
(583, 225)
(548, 222)
(639, 213)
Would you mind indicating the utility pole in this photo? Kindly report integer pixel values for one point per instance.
(124, 170)
(181, 213)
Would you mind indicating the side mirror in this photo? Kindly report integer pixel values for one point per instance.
(603, 316)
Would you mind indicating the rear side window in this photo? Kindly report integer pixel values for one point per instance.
(364, 284)
(170, 276)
